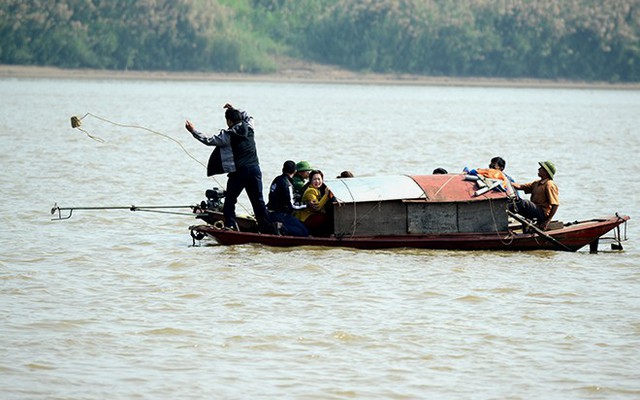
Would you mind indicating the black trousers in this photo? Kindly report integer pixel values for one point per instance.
(249, 179)
(528, 209)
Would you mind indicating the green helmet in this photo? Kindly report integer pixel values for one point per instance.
(549, 167)
(303, 166)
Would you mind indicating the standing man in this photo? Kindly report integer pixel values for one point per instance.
(544, 196)
(281, 204)
(235, 154)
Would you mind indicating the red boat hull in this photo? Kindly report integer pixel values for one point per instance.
(571, 236)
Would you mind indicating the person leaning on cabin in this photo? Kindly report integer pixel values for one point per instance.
(281, 204)
(500, 164)
(496, 171)
(544, 196)
(345, 174)
(235, 154)
(317, 216)
(303, 168)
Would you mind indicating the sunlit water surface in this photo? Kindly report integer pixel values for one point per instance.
(117, 304)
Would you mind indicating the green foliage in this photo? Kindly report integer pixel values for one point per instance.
(556, 39)
(124, 34)
(572, 39)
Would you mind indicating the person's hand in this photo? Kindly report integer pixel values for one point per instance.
(313, 205)
(189, 126)
(228, 106)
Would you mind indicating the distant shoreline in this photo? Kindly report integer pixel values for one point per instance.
(303, 73)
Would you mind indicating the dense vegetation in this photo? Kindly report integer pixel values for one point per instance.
(570, 39)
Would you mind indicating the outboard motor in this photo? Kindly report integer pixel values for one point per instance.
(214, 199)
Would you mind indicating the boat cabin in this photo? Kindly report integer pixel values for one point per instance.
(415, 204)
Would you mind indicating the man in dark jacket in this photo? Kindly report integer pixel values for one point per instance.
(236, 155)
(281, 204)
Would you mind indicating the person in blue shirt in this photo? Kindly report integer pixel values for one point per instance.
(281, 203)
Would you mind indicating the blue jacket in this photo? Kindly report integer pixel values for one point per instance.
(281, 196)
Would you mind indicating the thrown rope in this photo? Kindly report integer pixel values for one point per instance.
(76, 123)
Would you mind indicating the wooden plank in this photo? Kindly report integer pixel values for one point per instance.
(482, 216)
(432, 218)
(370, 218)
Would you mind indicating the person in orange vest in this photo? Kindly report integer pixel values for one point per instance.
(496, 171)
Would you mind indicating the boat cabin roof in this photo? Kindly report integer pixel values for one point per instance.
(439, 188)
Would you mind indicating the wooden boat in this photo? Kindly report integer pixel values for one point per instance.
(450, 211)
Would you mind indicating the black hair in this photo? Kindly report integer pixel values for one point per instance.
(289, 167)
(499, 161)
(314, 172)
(311, 174)
(440, 171)
(233, 115)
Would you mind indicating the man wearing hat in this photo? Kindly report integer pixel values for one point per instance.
(303, 169)
(544, 196)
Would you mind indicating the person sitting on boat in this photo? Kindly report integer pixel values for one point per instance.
(317, 197)
(303, 168)
(345, 174)
(499, 163)
(281, 204)
(235, 154)
(496, 172)
(544, 196)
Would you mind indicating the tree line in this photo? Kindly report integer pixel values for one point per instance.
(553, 39)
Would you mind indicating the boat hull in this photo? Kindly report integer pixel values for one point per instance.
(572, 237)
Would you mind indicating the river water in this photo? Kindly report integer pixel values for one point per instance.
(120, 305)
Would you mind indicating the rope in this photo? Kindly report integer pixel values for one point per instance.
(510, 236)
(76, 123)
(355, 212)
(444, 184)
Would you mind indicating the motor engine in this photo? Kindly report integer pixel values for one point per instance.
(214, 199)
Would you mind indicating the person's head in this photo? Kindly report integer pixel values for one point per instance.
(345, 174)
(498, 163)
(304, 168)
(233, 116)
(316, 179)
(439, 171)
(547, 169)
(289, 167)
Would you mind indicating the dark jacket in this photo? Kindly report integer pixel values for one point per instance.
(235, 147)
(281, 195)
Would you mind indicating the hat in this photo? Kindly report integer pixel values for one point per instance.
(303, 166)
(549, 167)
